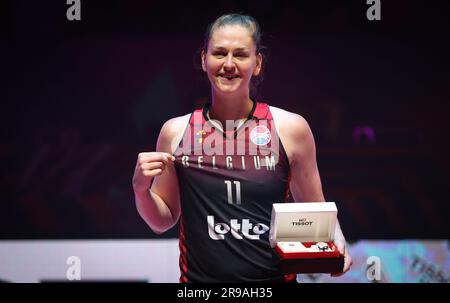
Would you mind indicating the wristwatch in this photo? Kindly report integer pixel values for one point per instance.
(322, 246)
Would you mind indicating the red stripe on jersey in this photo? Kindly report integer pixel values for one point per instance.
(183, 261)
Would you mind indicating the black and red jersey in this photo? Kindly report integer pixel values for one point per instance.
(229, 177)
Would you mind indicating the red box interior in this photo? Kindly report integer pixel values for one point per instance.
(309, 255)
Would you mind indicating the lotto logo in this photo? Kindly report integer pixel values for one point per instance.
(217, 231)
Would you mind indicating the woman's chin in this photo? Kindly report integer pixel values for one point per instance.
(227, 90)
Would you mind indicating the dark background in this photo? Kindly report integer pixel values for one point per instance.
(80, 99)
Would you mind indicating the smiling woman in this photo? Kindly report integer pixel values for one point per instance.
(172, 183)
(231, 60)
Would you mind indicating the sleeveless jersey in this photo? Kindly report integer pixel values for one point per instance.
(228, 182)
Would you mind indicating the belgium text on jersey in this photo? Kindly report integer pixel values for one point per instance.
(230, 162)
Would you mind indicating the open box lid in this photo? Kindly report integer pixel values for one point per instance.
(304, 222)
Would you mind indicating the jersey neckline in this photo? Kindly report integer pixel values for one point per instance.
(259, 111)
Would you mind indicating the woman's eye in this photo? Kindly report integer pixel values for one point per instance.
(222, 54)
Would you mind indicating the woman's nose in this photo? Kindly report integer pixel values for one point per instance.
(229, 63)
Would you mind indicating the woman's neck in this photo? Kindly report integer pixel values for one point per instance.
(234, 107)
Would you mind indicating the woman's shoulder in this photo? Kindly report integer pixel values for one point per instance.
(294, 132)
(172, 131)
(289, 122)
(175, 125)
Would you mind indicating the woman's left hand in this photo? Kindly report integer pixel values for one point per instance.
(341, 245)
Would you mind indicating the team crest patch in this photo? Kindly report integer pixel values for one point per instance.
(260, 135)
(199, 136)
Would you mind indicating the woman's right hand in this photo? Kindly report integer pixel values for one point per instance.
(149, 165)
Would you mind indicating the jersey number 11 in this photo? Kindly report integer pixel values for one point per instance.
(230, 191)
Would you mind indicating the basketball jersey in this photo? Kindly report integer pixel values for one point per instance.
(228, 182)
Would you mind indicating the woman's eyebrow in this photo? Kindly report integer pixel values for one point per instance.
(221, 48)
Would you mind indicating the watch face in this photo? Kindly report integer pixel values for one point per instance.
(322, 246)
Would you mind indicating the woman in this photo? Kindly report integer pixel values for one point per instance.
(222, 167)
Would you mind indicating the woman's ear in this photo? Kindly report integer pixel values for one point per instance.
(203, 61)
(258, 66)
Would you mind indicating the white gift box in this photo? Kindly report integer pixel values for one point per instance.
(302, 236)
(304, 222)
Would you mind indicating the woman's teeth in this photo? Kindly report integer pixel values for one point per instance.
(228, 77)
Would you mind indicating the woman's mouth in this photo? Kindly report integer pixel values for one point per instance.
(228, 77)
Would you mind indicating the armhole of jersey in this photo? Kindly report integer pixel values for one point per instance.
(184, 133)
(279, 138)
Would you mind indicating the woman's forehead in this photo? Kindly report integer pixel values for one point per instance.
(234, 36)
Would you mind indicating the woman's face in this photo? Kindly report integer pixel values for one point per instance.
(231, 60)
